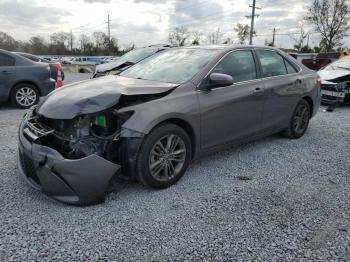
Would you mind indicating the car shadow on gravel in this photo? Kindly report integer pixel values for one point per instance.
(196, 173)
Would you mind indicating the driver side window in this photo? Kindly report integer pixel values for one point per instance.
(238, 64)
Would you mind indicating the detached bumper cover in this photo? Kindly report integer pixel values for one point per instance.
(80, 182)
(335, 93)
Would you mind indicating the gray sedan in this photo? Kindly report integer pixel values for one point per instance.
(149, 122)
(23, 81)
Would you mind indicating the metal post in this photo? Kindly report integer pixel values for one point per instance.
(252, 23)
(273, 36)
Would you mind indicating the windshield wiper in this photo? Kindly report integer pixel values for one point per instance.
(125, 64)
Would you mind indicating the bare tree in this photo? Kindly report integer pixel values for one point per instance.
(100, 39)
(37, 45)
(84, 41)
(7, 42)
(227, 41)
(243, 33)
(330, 19)
(113, 45)
(215, 37)
(300, 38)
(60, 39)
(179, 36)
(196, 36)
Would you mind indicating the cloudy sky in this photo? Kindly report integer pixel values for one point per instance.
(146, 22)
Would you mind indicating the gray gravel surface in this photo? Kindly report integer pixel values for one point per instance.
(271, 200)
(71, 78)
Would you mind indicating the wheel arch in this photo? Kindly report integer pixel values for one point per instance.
(23, 82)
(185, 126)
(309, 100)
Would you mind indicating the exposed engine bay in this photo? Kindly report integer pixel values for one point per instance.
(82, 136)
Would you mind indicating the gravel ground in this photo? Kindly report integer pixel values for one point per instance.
(71, 78)
(271, 200)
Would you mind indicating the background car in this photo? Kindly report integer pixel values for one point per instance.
(23, 81)
(88, 60)
(150, 121)
(129, 59)
(335, 80)
(54, 65)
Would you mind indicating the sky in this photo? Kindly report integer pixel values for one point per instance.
(146, 22)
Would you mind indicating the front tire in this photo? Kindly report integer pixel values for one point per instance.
(164, 156)
(24, 96)
(299, 121)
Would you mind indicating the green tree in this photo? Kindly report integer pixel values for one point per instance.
(243, 33)
(306, 49)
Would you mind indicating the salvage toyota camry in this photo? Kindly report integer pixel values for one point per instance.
(149, 122)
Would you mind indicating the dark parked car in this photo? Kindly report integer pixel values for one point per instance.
(148, 123)
(23, 81)
(54, 66)
(127, 60)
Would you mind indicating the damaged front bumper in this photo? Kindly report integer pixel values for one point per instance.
(79, 182)
(335, 93)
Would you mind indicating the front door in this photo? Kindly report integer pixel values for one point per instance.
(233, 112)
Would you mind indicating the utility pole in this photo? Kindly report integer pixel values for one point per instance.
(252, 17)
(273, 36)
(71, 40)
(109, 36)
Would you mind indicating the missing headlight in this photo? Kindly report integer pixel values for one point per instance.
(86, 135)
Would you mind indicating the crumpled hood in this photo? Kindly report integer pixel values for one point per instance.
(327, 75)
(92, 96)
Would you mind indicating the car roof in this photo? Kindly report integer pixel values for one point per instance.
(227, 47)
(20, 60)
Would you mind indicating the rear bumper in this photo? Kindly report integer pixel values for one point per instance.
(47, 87)
(79, 182)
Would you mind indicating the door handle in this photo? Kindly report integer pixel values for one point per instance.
(6, 72)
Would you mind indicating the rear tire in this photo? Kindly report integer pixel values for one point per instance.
(24, 95)
(164, 156)
(299, 121)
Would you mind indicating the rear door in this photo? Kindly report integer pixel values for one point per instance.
(282, 84)
(7, 73)
(232, 112)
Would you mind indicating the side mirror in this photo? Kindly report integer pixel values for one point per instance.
(217, 80)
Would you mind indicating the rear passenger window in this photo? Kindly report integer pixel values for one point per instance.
(238, 64)
(272, 64)
(290, 69)
(6, 60)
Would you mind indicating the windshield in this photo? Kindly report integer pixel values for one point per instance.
(137, 55)
(172, 66)
(340, 64)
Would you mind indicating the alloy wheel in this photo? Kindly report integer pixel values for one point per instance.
(26, 96)
(167, 157)
(301, 119)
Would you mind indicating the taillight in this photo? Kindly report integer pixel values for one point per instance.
(49, 71)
